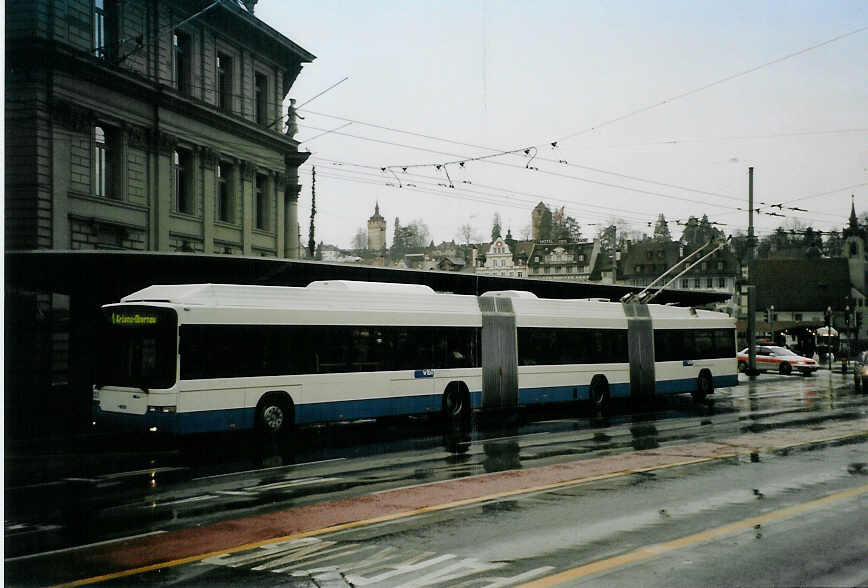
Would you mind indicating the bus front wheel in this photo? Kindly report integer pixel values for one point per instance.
(273, 415)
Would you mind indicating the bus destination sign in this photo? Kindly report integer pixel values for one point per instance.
(133, 319)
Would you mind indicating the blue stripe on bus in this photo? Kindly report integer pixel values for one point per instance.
(243, 418)
(362, 409)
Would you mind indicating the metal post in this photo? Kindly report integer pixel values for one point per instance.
(751, 293)
(829, 334)
(772, 323)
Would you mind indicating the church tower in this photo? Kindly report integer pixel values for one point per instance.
(854, 250)
(376, 231)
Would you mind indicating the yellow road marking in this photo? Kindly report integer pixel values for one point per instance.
(702, 537)
(426, 510)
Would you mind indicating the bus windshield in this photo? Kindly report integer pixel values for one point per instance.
(139, 347)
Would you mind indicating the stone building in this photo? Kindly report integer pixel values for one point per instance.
(563, 260)
(149, 125)
(540, 222)
(376, 231)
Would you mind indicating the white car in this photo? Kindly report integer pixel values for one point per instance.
(779, 359)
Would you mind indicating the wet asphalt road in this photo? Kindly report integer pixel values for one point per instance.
(108, 488)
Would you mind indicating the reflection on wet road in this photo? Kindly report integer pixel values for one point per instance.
(93, 491)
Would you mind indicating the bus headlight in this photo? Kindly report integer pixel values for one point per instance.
(162, 409)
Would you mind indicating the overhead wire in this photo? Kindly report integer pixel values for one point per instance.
(647, 108)
(541, 158)
(716, 83)
(397, 169)
(499, 200)
(530, 198)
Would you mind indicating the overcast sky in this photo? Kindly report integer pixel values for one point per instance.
(480, 76)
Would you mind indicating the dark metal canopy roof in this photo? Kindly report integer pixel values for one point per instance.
(106, 276)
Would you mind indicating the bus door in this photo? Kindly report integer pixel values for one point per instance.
(499, 353)
(640, 343)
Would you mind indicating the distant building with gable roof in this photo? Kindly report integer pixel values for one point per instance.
(499, 261)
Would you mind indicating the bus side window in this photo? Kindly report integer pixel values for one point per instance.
(724, 343)
(704, 344)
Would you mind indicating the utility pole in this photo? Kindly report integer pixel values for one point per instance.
(311, 242)
(751, 283)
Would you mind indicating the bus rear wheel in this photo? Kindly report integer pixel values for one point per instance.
(599, 393)
(456, 404)
(704, 387)
(273, 415)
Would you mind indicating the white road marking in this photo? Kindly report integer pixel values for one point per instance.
(295, 465)
(151, 471)
(79, 547)
(181, 501)
(289, 484)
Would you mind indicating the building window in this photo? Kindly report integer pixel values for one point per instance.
(181, 160)
(261, 203)
(697, 283)
(105, 29)
(709, 283)
(261, 99)
(685, 283)
(101, 163)
(225, 201)
(182, 69)
(224, 82)
(720, 266)
(797, 317)
(721, 282)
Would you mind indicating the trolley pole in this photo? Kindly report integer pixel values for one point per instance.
(751, 283)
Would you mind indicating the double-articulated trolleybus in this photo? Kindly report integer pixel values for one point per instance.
(213, 357)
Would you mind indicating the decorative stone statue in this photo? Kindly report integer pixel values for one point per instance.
(291, 116)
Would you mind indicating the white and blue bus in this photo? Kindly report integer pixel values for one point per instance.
(216, 357)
